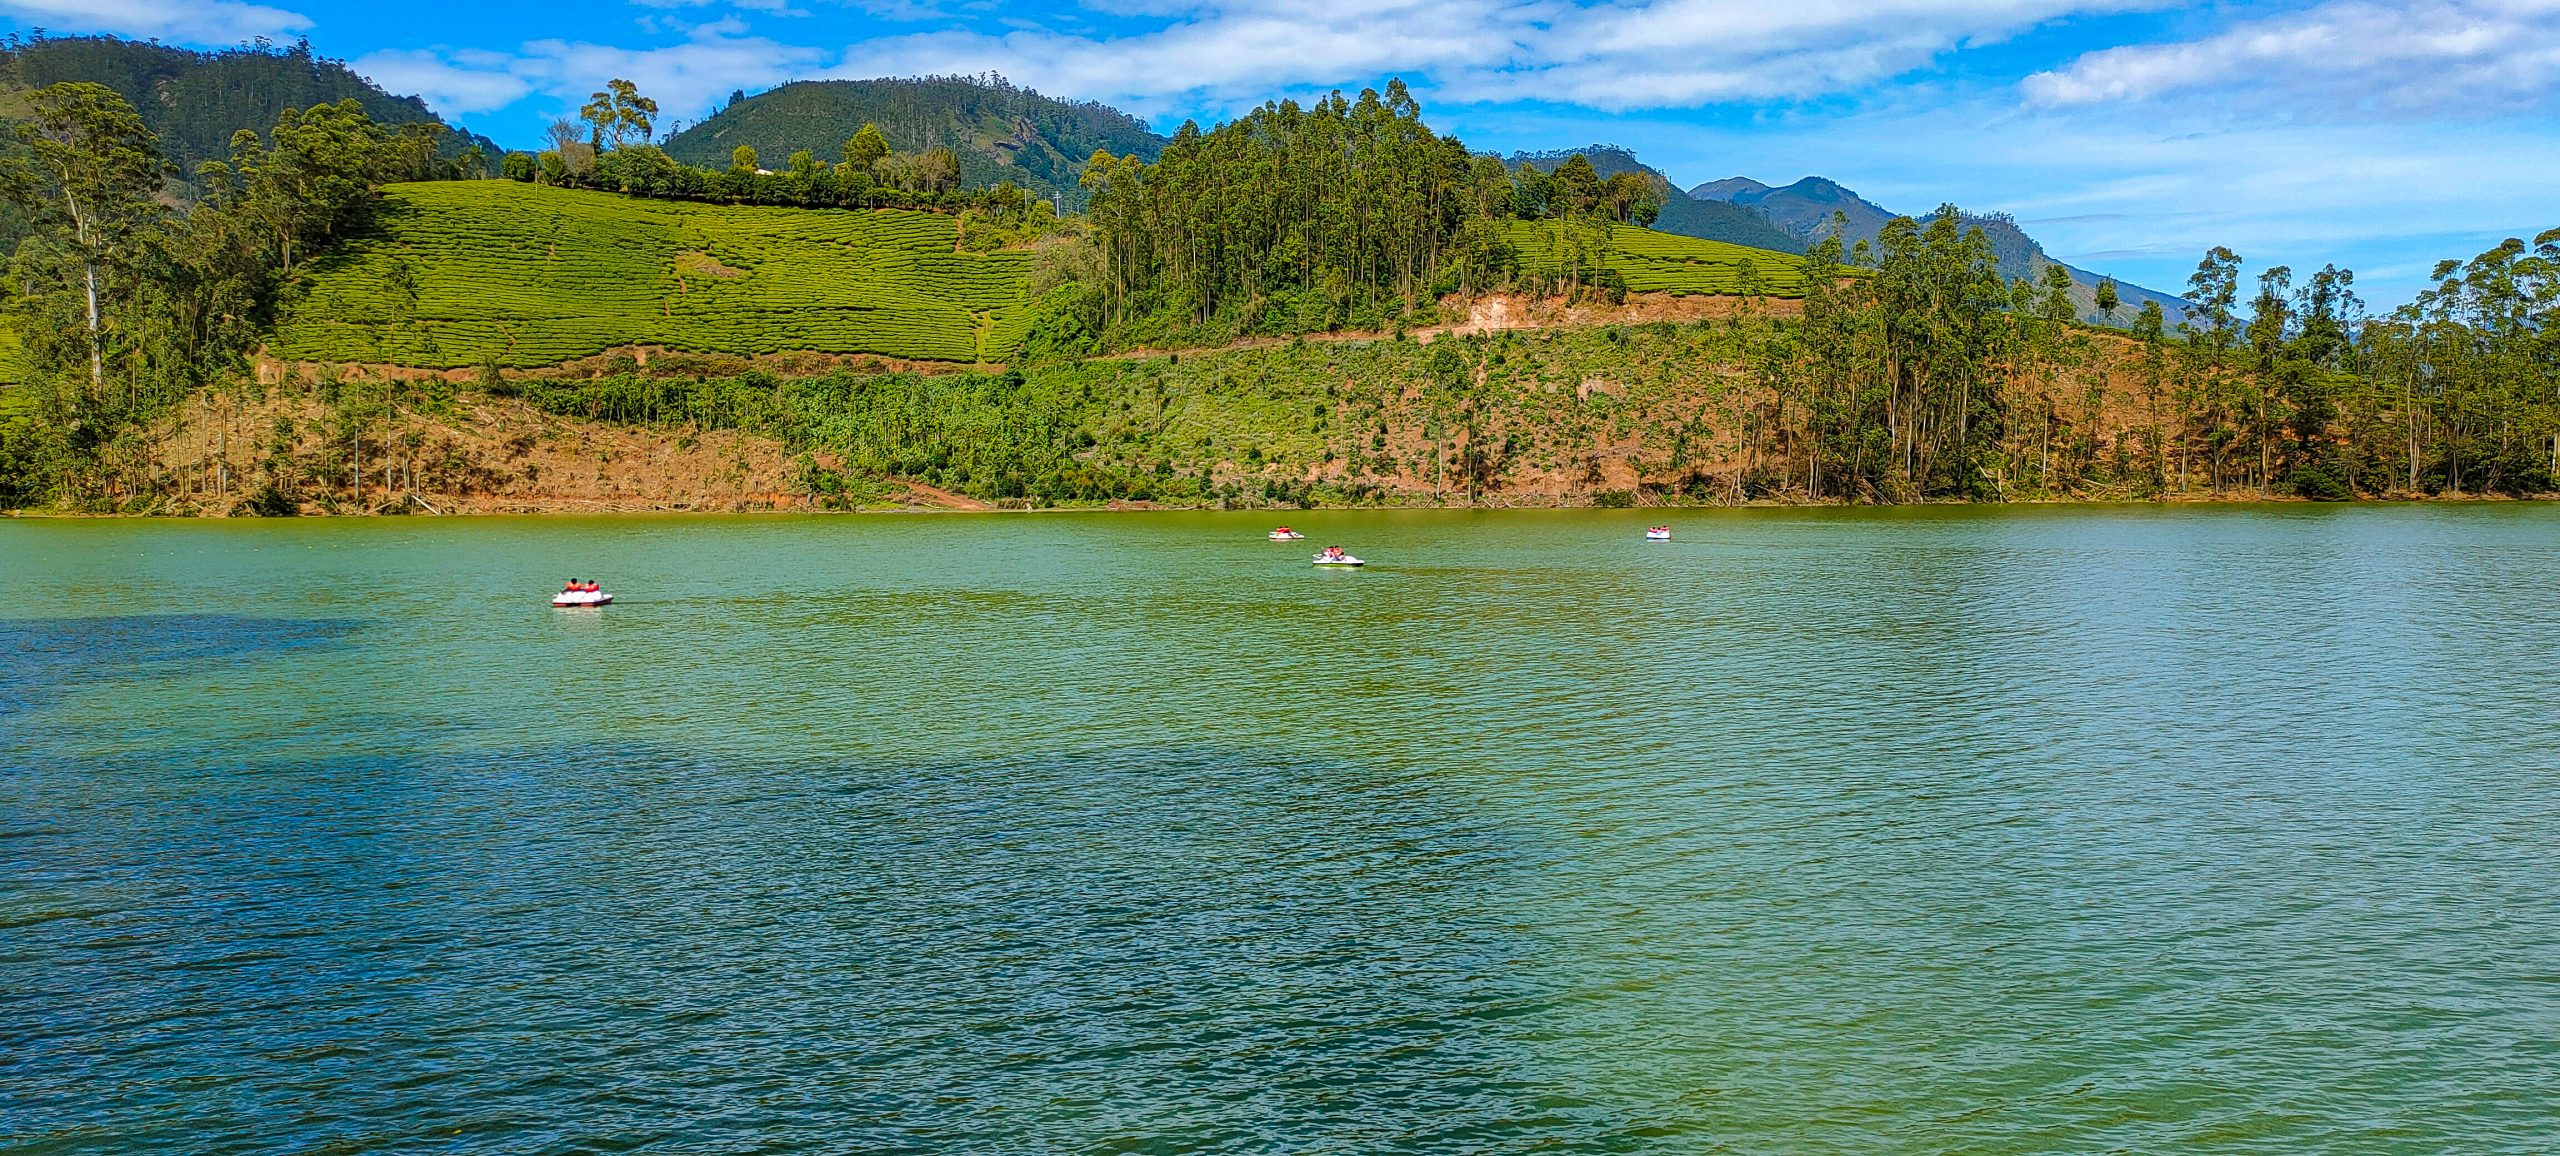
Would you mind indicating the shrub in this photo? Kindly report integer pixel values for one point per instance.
(2319, 485)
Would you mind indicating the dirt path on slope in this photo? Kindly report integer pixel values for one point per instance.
(1511, 312)
(945, 499)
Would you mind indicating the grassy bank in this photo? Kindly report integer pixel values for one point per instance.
(470, 273)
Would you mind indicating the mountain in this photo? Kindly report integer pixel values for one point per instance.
(196, 100)
(1805, 208)
(1708, 219)
(1001, 132)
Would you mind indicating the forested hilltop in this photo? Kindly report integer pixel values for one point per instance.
(193, 101)
(1681, 213)
(1815, 207)
(1327, 302)
(995, 130)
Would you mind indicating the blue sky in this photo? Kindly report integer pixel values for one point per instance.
(2128, 135)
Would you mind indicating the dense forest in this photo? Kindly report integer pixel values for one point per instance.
(1910, 368)
(996, 132)
(193, 101)
(1344, 213)
(126, 301)
(1680, 212)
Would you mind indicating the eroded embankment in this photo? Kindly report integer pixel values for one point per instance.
(1528, 403)
(285, 450)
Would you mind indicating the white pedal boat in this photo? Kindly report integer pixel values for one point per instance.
(1338, 560)
(570, 598)
(1658, 534)
(1285, 534)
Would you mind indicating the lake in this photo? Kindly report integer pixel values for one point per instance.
(1933, 830)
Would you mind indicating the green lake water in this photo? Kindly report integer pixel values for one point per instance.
(2100, 829)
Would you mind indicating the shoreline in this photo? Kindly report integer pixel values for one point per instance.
(572, 508)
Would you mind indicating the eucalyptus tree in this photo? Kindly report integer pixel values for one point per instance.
(86, 182)
(618, 113)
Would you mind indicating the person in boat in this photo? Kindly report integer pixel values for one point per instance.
(1333, 551)
(594, 586)
(569, 587)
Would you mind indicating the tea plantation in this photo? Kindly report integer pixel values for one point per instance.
(464, 273)
(1652, 262)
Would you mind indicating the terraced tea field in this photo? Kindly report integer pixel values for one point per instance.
(465, 273)
(1654, 262)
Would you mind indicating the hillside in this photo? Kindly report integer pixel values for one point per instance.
(1709, 219)
(999, 131)
(1804, 209)
(194, 101)
(1651, 261)
(470, 273)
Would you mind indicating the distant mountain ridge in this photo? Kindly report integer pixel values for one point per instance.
(194, 101)
(1805, 209)
(1710, 220)
(1001, 132)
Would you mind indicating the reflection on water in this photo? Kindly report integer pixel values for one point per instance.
(1906, 832)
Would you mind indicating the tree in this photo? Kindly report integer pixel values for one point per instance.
(865, 148)
(90, 172)
(742, 159)
(2148, 328)
(2271, 314)
(1579, 186)
(2214, 291)
(2108, 299)
(575, 157)
(2057, 306)
(618, 114)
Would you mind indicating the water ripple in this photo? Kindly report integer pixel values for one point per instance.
(1913, 831)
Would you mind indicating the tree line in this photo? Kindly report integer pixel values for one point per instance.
(1929, 378)
(1913, 370)
(608, 149)
(126, 300)
(1300, 218)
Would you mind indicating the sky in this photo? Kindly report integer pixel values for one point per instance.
(2127, 135)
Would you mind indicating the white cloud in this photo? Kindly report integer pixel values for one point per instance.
(187, 21)
(684, 78)
(2340, 60)
(1240, 54)
(769, 7)
(1618, 55)
(1672, 53)
(468, 83)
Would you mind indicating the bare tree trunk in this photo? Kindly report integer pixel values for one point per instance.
(97, 360)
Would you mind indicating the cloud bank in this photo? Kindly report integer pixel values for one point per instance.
(2340, 60)
(186, 21)
(1623, 55)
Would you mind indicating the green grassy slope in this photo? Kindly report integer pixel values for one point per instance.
(465, 273)
(1656, 262)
